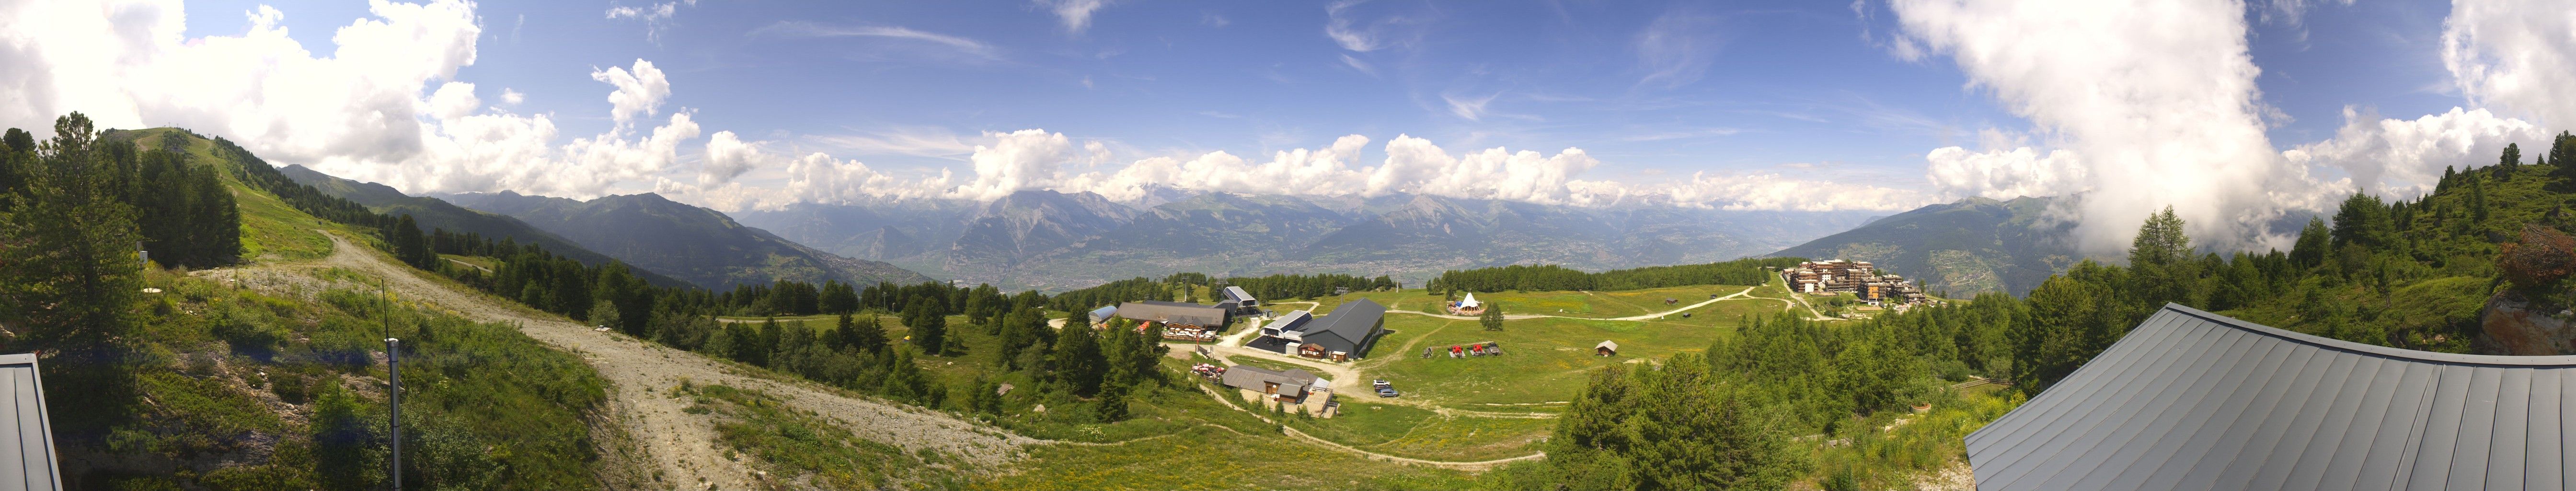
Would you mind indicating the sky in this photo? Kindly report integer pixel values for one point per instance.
(2234, 113)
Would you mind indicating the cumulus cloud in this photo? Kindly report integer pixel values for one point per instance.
(2400, 158)
(2514, 56)
(2156, 101)
(639, 91)
(728, 157)
(1024, 159)
(382, 105)
(2005, 174)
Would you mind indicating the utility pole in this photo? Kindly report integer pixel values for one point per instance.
(393, 367)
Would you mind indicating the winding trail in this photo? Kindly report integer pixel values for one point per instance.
(1644, 317)
(682, 447)
(1481, 465)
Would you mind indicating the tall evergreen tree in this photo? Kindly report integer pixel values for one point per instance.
(1492, 318)
(67, 249)
(1079, 362)
(929, 327)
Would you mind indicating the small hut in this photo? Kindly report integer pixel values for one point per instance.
(1606, 348)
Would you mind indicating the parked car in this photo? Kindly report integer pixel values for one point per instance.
(1381, 383)
(1386, 392)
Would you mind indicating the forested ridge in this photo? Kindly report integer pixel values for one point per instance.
(159, 380)
(2410, 273)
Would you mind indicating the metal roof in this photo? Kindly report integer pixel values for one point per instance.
(2196, 401)
(27, 440)
(1237, 294)
(1348, 328)
(1173, 313)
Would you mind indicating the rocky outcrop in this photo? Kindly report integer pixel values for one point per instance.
(2513, 326)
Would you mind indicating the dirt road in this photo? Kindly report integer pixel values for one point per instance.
(1645, 317)
(682, 446)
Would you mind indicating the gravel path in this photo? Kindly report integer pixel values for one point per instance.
(682, 445)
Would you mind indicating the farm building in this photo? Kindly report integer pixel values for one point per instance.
(2194, 400)
(1289, 387)
(1100, 316)
(1181, 321)
(1606, 348)
(1342, 336)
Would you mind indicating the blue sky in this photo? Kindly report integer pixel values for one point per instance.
(1724, 86)
(1750, 105)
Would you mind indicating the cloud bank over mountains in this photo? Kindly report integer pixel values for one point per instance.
(2133, 105)
(2147, 104)
(386, 107)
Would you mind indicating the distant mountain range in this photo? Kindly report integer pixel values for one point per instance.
(672, 243)
(1053, 240)
(1960, 248)
(694, 244)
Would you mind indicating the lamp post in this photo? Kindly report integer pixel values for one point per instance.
(393, 368)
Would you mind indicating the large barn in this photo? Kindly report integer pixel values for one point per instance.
(1342, 336)
(2194, 400)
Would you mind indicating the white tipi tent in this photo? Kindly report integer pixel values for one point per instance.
(1469, 303)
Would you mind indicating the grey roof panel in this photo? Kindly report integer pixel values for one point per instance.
(27, 459)
(2193, 400)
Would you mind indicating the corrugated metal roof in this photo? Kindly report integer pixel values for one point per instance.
(1237, 294)
(2196, 401)
(27, 440)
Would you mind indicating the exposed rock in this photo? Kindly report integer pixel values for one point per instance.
(2513, 326)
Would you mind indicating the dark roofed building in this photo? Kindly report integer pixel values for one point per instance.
(1174, 314)
(1342, 336)
(2194, 400)
(1284, 387)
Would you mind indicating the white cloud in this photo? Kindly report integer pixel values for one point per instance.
(2005, 174)
(1468, 108)
(1341, 25)
(916, 141)
(2403, 159)
(2514, 56)
(656, 16)
(1676, 49)
(640, 91)
(2158, 99)
(1024, 159)
(728, 157)
(1773, 192)
(808, 29)
(1075, 14)
(512, 97)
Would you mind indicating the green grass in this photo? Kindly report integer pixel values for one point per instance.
(1211, 458)
(1893, 458)
(1546, 359)
(225, 370)
(796, 446)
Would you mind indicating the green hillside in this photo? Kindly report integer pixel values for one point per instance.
(434, 214)
(1973, 245)
(267, 374)
(697, 245)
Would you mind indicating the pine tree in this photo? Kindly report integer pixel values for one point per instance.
(1078, 361)
(929, 326)
(1113, 404)
(1492, 318)
(66, 249)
